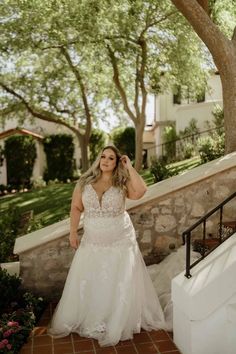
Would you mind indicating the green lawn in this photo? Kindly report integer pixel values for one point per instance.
(184, 165)
(52, 203)
(49, 204)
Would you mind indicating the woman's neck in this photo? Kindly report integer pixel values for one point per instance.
(106, 177)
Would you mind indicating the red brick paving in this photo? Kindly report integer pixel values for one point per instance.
(154, 342)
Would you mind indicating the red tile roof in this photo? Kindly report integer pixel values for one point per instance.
(14, 131)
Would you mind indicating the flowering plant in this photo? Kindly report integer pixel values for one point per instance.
(19, 312)
(14, 328)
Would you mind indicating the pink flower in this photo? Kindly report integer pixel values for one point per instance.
(7, 333)
(13, 324)
(9, 346)
(5, 341)
(2, 345)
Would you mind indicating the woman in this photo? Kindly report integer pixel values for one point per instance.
(108, 294)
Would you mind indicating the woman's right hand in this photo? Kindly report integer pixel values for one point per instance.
(74, 241)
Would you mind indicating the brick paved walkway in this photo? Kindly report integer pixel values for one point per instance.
(154, 342)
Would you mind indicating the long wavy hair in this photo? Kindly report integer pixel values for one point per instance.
(92, 175)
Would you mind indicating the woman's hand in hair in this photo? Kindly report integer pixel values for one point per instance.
(126, 162)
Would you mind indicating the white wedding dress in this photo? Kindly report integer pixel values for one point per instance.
(108, 294)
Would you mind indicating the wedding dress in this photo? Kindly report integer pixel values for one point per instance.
(108, 294)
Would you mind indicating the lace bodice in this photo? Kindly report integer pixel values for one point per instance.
(111, 204)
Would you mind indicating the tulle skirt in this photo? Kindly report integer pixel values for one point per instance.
(108, 294)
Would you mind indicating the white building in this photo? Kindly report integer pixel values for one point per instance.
(167, 111)
(38, 129)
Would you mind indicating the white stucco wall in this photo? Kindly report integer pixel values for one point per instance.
(204, 318)
(181, 114)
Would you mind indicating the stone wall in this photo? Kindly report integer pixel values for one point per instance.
(159, 224)
(44, 269)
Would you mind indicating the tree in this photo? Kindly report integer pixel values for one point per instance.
(137, 32)
(48, 75)
(206, 19)
(65, 56)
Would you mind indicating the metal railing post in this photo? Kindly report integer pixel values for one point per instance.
(188, 245)
(220, 226)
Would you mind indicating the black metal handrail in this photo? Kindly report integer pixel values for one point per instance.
(187, 234)
(192, 137)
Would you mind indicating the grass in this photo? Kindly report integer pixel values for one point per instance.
(147, 176)
(49, 204)
(52, 203)
(184, 165)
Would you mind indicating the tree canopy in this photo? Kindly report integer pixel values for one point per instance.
(69, 61)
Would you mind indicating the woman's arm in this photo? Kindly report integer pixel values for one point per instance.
(135, 185)
(75, 213)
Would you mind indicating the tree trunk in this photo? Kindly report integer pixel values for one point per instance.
(228, 78)
(84, 152)
(139, 129)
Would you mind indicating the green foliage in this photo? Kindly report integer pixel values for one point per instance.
(211, 147)
(20, 153)
(218, 120)
(59, 151)
(191, 129)
(188, 142)
(15, 329)
(9, 286)
(169, 137)
(49, 82)
(223, 13)
(159, 169)
(97, 141)
(19, 311)
(124, 139)
(9, 224)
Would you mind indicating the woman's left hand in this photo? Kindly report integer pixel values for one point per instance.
(126, 162)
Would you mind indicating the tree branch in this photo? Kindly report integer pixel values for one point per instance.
(82, 89)
(204, 4)
(116, 79)
(136, 105)
(143, 45)
(41, 114)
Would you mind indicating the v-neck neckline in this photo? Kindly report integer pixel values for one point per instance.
(100, 199)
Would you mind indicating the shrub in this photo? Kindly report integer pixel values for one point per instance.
(20, 153)
(15, 329)
(59, 151)
(218, 120)
(9, 286)
(9, 225)
(19, 312)
(124, 139)
(159, 170)
(169, 137)
(188, 150)
(211, 147)
(97, 141)
(38, 183)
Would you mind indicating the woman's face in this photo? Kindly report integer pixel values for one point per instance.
(108, 160)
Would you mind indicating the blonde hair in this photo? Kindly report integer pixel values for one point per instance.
(92, 175)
